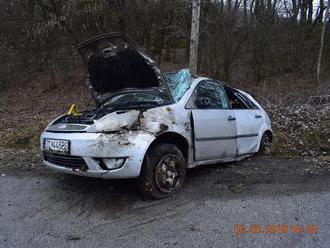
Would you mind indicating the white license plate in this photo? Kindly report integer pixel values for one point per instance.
(57, 145)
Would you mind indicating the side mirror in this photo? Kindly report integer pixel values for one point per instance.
(203, 102)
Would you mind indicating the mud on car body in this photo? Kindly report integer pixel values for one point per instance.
(149, 125)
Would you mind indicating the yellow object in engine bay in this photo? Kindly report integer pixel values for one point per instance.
(73, 110)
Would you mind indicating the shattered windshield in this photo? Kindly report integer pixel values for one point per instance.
(134, 98)
(178, 82)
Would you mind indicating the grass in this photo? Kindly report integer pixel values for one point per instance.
(280, 146)
(4, 103)
(319, 137)
(316, 139)
(21, 138)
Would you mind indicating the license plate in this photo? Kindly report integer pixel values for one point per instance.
(57, 145)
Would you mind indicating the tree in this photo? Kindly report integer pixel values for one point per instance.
(230, 40)
(318, 68)
(194, 36)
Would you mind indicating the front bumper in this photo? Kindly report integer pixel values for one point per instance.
(93, 147)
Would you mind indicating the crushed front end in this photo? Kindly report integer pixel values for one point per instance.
(111, 155)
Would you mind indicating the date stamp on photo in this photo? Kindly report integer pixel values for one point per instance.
(266, 230)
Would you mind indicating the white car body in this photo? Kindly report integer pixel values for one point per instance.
(116, 145)
(210, 145)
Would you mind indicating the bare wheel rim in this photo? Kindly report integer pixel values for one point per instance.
(169, 175)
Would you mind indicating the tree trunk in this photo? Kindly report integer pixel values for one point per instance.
(303, 11)
(318, 68)
(194, 36)
(148, 41)
(295, 11)
(168, 50)
(310, 12)
(245, 11)
(174, 55)
(321, 11)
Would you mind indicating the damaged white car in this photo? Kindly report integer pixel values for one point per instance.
(149, 125)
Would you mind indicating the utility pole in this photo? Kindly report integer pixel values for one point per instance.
(194, 35)
(318, 68)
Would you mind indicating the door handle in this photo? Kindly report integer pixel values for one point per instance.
(257, 116)
(230, 118)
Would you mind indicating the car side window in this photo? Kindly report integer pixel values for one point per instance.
(235, 101)
(209, 95)
(248, 101)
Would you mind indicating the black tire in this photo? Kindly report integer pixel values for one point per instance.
(163, 172)
(265, 144)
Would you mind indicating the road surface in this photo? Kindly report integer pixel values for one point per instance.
(41, 208)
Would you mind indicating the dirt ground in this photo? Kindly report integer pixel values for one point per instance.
(41, 208)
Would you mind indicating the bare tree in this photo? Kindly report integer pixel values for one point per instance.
(194, 36)
(318, 69)
(231, 40)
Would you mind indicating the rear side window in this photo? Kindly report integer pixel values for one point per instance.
(248, 102)
(235, 101)
(238, 100)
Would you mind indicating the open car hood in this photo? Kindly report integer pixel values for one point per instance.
(114, 63)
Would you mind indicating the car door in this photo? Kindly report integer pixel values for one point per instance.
(248, 120)
(213, 122)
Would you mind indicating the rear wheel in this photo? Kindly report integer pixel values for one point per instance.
(163, 172)
(265, 144)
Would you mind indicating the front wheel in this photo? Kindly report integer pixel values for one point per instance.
(265, 144)
(163, 171)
